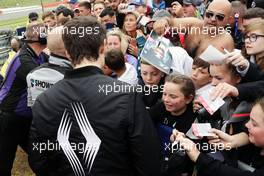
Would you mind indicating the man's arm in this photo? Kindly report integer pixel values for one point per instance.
(143, 139)
(27, 64)
(207, 166)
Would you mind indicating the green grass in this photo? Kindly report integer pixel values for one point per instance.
(13, 23)
(18, 3)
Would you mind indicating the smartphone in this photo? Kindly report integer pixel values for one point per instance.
(141, 41)
(131, 7)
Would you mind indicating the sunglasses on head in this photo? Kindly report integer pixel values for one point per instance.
(218, 17)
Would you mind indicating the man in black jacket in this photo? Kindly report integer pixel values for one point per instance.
(78, 129)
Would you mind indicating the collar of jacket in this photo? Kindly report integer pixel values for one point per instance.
(27, 49)
(59, 60)
(83, 72)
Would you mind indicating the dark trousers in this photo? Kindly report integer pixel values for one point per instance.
(13, 132)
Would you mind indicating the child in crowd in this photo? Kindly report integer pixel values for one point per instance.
(174, 112)
(152, 79)
(114, 60)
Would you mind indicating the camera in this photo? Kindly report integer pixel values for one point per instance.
(203, 112)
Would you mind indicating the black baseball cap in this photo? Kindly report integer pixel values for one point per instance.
(33, 16)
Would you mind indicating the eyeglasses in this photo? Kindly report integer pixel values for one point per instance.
(218, 17)
(252, 37)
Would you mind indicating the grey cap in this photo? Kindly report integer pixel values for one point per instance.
(192, 2)
(160, 14)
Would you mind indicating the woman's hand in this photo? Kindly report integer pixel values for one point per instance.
(221, 140)
(235, 58)
(175, 134)
(189, 147)
(186, 144)
(223, 90)
(196, 105)
(132, 47)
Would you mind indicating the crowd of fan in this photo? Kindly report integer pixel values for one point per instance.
(136, 133)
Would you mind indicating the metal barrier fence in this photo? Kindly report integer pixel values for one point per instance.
(5, 45)
(4, 55)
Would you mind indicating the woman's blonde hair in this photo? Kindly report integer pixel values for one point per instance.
(255, 26)
(122, 38)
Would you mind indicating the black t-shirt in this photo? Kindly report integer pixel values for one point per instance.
(182, 122)
(175, 164)
(150, 98)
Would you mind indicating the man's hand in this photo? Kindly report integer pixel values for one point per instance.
(160, 26)
(122, 8)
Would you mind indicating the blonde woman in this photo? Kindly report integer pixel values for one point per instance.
(117, 40)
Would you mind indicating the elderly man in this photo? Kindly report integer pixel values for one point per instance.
(200, 34)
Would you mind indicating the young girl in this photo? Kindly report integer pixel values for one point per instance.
(174, 112)
(209, 166)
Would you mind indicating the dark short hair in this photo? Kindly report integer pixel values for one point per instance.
(33, 16)
(200, 63)
(254, 13)
(86, 41)
(114, 59)
(65, 11)
(186, 84)
(48, 14)
(86, 5)
(107, 11)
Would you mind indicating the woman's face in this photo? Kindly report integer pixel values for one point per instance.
(256, 126)
(150, 75)
(254, 47)
(98, 8)
(113, 42)
(221, 73)
(200, 76)
(174, 100)
(130, 23)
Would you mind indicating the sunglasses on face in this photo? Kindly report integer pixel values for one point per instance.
(218, 17)
(252, 37)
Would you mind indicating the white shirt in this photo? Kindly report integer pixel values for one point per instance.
(130, 75)
(181, 61)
